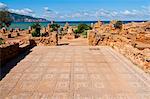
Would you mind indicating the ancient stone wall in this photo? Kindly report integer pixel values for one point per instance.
(8, 52)
(70, 33)
(125, 46)
(52, 40)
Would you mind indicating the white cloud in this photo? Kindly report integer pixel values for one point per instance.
(86, 14)
(129, 13)
(104, 14)
(142, 13)
(25, 11)
(146, 7)
(47, 9)
(126, 12)
(77, 14)
(114, 13)
(3, 6)
(50, 14)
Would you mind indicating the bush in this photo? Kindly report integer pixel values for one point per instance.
(37, 28)
(84, 34)
(77, 31)
(54, 27)
(118, 24)
(81, 28)
(35, 34)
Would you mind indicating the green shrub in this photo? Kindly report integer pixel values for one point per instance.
(81, 28)
(84, 34)
(77, 31)
(118, 24)
(37, 28)
(54, 27)
(35, 34)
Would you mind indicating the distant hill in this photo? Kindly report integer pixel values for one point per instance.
(25, 18)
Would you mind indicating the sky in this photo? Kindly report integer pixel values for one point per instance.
(80, 10)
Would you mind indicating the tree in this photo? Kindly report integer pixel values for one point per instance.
(5, 18)
(37, 28)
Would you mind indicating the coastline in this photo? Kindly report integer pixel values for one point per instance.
(25, 25)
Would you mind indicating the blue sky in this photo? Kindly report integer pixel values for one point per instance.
(61, 10)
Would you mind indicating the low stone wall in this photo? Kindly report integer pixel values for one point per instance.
(9, 52)
(24, 47)
(43, 41)
(127, 47)
(51, 40)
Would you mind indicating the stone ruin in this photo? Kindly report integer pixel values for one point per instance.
(133, 41)
(66, 26)
(70, 33)
(97, 25)
(48, 38)
(51, 40)
(18, 41)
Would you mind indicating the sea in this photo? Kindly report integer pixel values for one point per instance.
(25, 25)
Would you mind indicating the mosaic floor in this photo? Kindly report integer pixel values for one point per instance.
(75, 72)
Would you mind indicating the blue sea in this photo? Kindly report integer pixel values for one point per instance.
(25, 25)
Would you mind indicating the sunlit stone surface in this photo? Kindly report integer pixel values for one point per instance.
(75, 72)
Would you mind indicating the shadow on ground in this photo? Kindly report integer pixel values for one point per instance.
(4, 70)
(63, 44)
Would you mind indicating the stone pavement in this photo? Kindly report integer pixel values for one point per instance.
(74, 42)
(75, 72)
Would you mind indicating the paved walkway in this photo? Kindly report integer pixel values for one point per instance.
(74, 42)
(75, 72)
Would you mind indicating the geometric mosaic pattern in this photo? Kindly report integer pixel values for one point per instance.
(75, 72)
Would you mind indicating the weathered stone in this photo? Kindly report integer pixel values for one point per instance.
(44, 74)
(49, 27)
(52, 40)
(98, 24)
(70, 34)
(131, 40)
(3, 30)
(66, 26)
